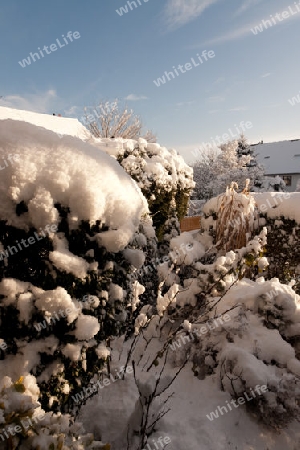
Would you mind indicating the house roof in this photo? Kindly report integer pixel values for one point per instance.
(279, 158)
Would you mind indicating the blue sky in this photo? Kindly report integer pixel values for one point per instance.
(250, 78)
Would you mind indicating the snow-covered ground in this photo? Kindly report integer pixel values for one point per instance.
(186, 424)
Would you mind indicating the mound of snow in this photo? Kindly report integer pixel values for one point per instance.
(42, 169)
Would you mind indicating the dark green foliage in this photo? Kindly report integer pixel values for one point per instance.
(33, 265)
(165, 201)
(283, 250)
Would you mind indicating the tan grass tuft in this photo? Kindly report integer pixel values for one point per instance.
(236, 215)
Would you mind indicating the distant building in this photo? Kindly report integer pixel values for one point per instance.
(281, 158)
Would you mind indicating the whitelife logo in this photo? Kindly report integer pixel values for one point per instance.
(263, 208)
(218, 140)
(124, 9)
(294, 100)
(80, 396)
(108, 108)
(279, 17)
(162, 441)
(11, 159)
(198, 332)
(188, 66)
(31, 240)
(240, 400)
(53, 48)
(18, 429)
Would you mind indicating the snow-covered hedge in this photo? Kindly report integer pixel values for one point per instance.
(72, 226)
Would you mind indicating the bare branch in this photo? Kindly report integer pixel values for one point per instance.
(112, 120)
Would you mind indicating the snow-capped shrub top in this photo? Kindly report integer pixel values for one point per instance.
(157, 164)
(164, 178)
(50, 169)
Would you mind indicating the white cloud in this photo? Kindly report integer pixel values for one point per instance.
(230, 36)
(265, 75)
(241, 32)
(247, 4)
(180, 12)
(135, 98)
(39, 102)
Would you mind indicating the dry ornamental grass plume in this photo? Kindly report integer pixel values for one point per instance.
(236, 215)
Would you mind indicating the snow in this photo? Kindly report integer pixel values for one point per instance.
(55, 300)
(273, 204)
(68, 171)
(150, 161)
(102, 351)
(67, 261)
(62, 164)
(73, 351)
(86, 327)
(138, 289)
(136, 257)
(60, 125)
(277, 204)
(116, 292)
(186, 424)
(185, 249)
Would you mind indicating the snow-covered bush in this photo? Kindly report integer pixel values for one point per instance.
(279, 213)
(259, 345)
(72, 225)
(25, 425)
(162, 175)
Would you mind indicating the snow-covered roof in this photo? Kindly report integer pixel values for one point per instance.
(60, 125)
(279, 158)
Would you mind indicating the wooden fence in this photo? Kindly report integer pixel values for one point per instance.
(190, 223)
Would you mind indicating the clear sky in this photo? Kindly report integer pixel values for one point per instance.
(250, 78)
